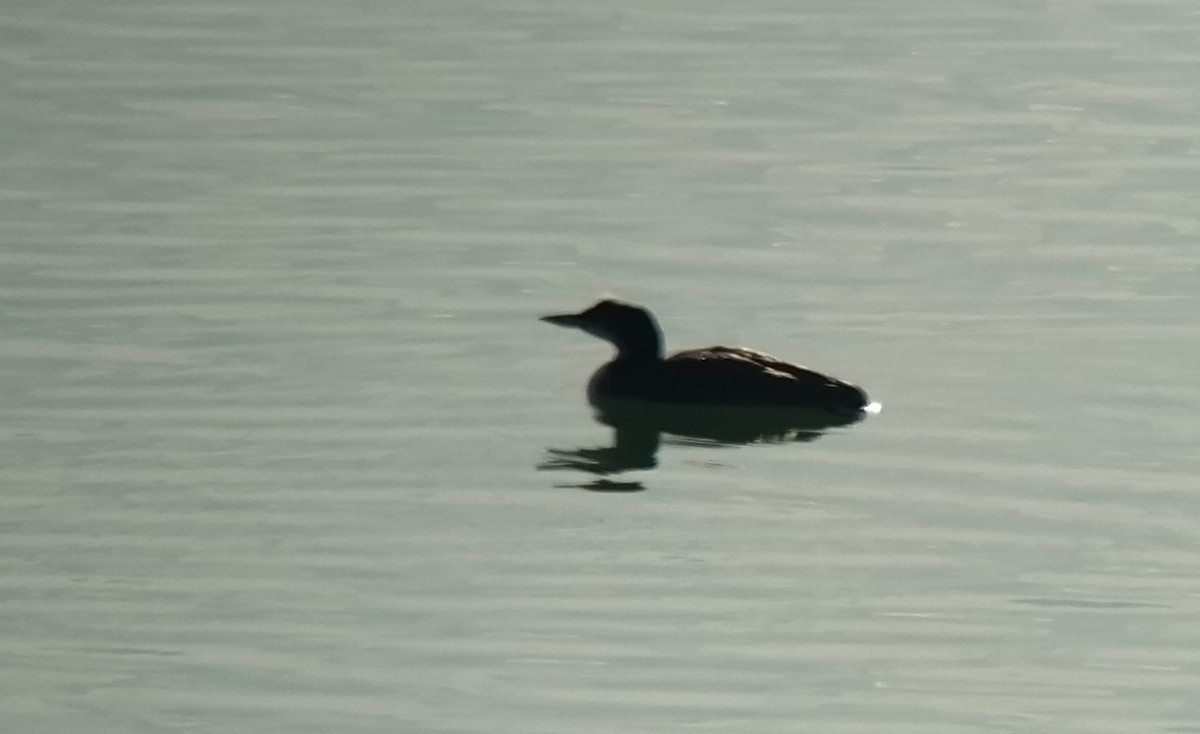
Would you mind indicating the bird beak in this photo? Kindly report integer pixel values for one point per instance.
(563, 319)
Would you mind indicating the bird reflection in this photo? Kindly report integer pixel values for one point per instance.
(634, 446)
(639, 428)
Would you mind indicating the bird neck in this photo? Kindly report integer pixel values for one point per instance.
(644, 345)
(638, 356)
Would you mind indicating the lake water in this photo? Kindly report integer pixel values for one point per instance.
(280, 424)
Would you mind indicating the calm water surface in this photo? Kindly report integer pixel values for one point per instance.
(279, 420)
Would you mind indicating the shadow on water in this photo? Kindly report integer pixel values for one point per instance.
(639, 427)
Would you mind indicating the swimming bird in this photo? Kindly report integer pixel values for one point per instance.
(713, 376)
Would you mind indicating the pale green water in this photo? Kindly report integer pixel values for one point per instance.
(275, 394)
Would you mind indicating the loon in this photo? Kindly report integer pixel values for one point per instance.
(713, 376)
